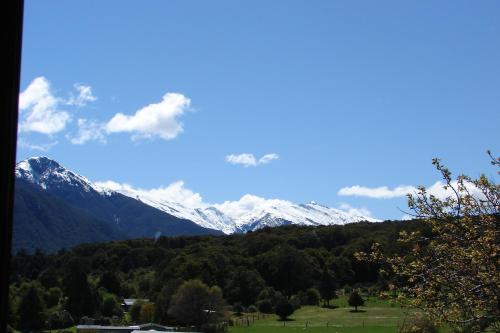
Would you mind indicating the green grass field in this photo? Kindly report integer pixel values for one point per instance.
(377, 316)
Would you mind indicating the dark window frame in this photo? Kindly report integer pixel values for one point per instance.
(12, 22)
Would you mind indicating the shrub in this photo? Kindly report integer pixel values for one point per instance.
(135, 311)
(252, 308)
(310, 297)
(60, 319)
(52, 296)
(108, 306)
(104, 321)
(295, 301)
(284, 308)
(419, 324)
(265, 306)
(146, 315)
(238, 309)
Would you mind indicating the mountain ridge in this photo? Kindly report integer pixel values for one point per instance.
(226, 217)
(48, 196)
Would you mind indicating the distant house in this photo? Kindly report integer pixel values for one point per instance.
(105, 329)
(155, 327)
(153, 331)
(151, 327)
(128, 302)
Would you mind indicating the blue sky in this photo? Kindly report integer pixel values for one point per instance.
(335, 93)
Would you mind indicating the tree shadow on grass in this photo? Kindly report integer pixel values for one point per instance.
(354, 311)
(287, 319)
(330, 306)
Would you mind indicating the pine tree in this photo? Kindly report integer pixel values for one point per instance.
(81, 298)
(355, 300)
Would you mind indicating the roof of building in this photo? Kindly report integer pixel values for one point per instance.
(157, 327)
(153, 331)
(131, 301)
(96, 327)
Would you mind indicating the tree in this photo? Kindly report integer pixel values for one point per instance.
(284, 308)
(135, 311)
(310, 297)
(265, 305)
(31, 310)
(110, 281)
(195, 303)
(355, 300)
(53, 296)
(295, 301)
(243, 286)
(147, 312)
(452, 270)
(109, 306)
(286, 268)
(12, 306)
(162, 301)
(60, 319)
(327, 286)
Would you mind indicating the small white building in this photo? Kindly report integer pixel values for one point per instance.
(128, 302)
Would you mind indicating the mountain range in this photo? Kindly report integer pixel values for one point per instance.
(57, 208)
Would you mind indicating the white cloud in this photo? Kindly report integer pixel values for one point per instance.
(247, 160)
(268, 158)
(39, 109)
(175, 192)
(242, 159)
(153, 120)
(88, 130)
(438, 190)
(40, 112)
(247, 204)
(41, 146)
(84, 95)
(383, 192)
(355, 211)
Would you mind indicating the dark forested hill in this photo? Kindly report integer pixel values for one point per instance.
(287, 259)
(64, 216)
(46, 222)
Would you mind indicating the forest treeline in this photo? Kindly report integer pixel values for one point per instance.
(252, 269)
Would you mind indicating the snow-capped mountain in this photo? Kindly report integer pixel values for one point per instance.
(56, 208)
(248, 213)
(252, 213)
(275, 212)
(207, 217)
(47, 173)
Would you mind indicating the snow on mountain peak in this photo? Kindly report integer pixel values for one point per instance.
(250, 212)
(45, 172)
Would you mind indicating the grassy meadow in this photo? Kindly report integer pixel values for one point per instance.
(377, 316)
